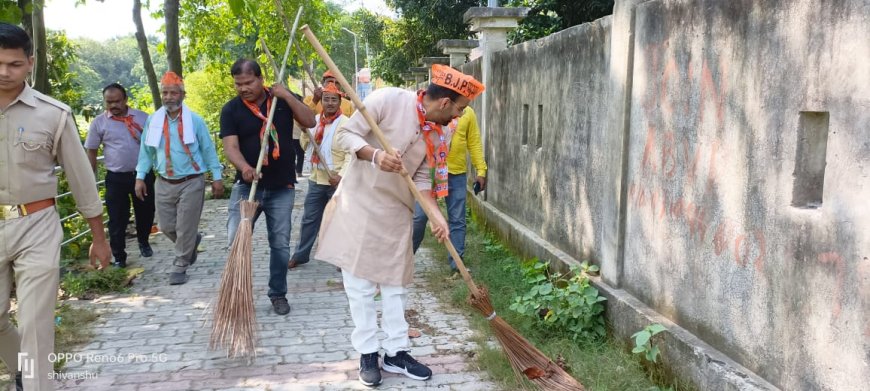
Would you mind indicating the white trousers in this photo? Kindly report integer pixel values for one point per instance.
(361, 297)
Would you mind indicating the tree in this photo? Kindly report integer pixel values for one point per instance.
(147, 64)
(217, 33)
(173, 41)
(546, 17)
(421, 25)
(60, 53)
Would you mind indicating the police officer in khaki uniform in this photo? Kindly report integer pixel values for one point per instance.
(36, 132)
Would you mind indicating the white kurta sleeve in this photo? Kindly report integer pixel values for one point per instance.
(351, 135)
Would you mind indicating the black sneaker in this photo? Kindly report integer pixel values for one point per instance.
(19, 384)
(195, 248)
(120, 260)
(369, 373)
(280, 305)
(145, 250)
(403, 363)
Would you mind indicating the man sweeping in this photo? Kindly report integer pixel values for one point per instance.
(322, 182)
(243, 125)
(366, 228)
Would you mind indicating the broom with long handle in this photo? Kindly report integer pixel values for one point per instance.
(280, 8)
(524, 357)
(235, 323)
(314, 84)
(317, 150)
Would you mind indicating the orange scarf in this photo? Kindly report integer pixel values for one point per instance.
(437, 159)
(273, 133)
(132, 127)
(169, 171)
(318, 135)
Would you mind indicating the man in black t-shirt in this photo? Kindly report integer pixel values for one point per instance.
(243, 121)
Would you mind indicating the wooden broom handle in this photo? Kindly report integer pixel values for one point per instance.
(389, 149)
(322, 161)
(280, 8)
(264, 143)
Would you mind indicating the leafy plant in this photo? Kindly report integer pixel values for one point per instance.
(95, 282)
(563, 300)
(643, 345)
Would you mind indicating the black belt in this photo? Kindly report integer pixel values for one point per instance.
(180, 180)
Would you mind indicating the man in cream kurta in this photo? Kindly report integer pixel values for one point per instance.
(366, 229)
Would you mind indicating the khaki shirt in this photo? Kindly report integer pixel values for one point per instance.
(36, 132)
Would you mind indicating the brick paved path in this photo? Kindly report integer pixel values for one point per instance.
(166, 329)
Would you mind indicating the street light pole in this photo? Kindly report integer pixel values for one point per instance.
(355, 63)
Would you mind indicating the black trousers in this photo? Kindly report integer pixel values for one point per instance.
(119, 191)
(300, 154)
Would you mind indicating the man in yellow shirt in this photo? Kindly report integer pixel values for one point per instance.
(313, 101)
(465, 140)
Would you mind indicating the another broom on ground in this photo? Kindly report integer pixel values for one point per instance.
(524, 357)
(235, 323)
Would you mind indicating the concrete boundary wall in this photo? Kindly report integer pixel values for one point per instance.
(684, 353)
(714, 159)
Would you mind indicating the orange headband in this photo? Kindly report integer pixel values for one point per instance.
(448, 77)
(171, 79)
(333, 88)
(327, 74)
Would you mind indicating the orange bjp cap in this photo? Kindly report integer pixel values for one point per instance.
(171, 79)
(448, 77)
(333, 88)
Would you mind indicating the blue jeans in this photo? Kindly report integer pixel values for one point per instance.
(455, 217)
(315, 202)
(278, 206)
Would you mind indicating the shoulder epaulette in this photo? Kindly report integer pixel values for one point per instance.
(51, 101)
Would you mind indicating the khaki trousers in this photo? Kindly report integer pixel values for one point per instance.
(179, 208)
(30, 251)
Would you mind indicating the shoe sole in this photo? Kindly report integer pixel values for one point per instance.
(402, 371)
(293, 264)
(368, 384)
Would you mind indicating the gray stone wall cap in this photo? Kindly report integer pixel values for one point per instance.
(457, 43)
(428, 61)
(419, 70)
(497, 12)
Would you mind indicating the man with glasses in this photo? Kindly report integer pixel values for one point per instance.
(366, 228)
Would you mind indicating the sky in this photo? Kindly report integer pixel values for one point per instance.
(110, 18)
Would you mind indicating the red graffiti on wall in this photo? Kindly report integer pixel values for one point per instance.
(665, 158)
(744, 245)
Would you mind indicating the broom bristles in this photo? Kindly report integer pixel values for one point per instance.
(525, 359)
(235, 324)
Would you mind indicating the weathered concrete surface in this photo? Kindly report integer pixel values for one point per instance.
(712, 241)
(161, 332)
(670, 139)
(545, 126)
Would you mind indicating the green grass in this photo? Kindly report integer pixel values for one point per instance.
(599, 365)
(91, 283)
